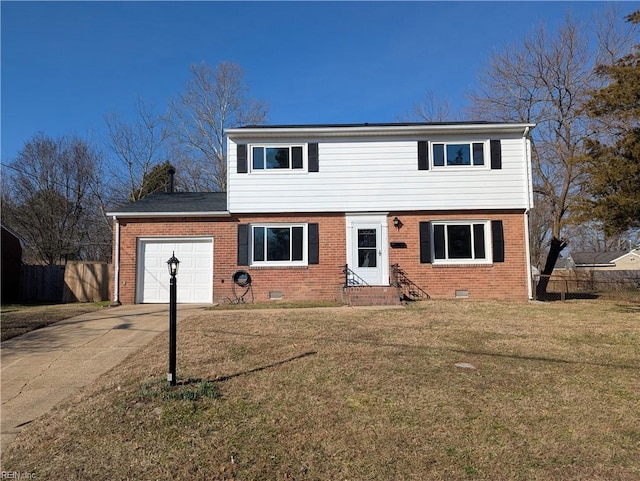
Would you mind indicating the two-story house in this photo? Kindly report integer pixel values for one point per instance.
(312, 208)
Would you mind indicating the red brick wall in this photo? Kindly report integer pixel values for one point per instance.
(324, 281)
(318, 282)
(502, 280)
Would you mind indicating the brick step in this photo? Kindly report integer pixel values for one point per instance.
(372, 296)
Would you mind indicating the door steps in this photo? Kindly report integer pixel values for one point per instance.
(372, 296)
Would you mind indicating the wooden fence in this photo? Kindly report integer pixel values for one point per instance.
(41, 283)
(87, 282)
(75, 282)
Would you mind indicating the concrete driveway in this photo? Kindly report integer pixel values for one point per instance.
(43, 367)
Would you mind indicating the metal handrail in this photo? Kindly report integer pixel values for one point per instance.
(352, 279)
(410, 290)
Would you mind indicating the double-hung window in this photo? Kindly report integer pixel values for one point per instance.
(278, 244)
(461, 242)
(283, 157)
(458, 154)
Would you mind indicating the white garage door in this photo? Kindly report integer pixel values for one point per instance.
(195, 273)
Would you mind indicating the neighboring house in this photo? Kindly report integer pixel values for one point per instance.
(613, 260)
(11, 263)
(447, 204)
(563, 264)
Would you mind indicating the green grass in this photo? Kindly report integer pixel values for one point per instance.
(189, 390)
(342, 393)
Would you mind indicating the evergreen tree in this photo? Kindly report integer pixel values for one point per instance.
(156, 180)
(613, 188)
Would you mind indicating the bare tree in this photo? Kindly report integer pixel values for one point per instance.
(433, 109)
(213, 100)
(546, 80)
(139, 146)
(49, 198)
(588, 236)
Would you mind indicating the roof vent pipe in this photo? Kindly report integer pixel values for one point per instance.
(171, 172)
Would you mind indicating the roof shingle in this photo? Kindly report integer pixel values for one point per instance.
(175, 203)
(595, 258)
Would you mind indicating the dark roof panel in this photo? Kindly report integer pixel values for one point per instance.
(365, 124)
(175, 203)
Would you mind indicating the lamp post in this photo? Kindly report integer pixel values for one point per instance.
(172, 264)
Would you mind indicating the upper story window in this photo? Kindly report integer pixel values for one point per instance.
(458, 154)
(265, 157)
(277, 157)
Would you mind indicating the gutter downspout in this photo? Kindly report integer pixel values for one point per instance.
(527, 152)
(116, 265)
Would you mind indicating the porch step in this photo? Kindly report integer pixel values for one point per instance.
(372, 296)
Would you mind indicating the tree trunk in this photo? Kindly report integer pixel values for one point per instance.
(554, 252)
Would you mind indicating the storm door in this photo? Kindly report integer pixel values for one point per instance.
(367, 254)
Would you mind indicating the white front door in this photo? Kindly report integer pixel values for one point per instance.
(367, 253)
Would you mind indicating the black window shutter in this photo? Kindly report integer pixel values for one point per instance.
(425, 242)
(496, 154)
(242, 159)
(314, 244)
(423, 155)
(243, 244)
(478, 241)
(497, 235)
(314, 164)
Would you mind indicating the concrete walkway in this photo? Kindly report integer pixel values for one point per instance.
(43, 367)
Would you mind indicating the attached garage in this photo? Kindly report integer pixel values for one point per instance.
(195, 274)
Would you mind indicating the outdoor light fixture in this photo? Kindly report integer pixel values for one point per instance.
(172, 263)
(397, 223)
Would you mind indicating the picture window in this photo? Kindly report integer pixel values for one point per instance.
(460, 242)
(278, 244)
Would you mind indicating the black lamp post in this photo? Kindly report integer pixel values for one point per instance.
(172, 263)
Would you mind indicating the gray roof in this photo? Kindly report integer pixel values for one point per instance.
(374, 129)
(595, 258)
(562, 263)
(177, 203)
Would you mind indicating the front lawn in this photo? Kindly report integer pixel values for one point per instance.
(17, 319)
(442, 390)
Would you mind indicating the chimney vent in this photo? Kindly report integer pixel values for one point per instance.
(171, 172)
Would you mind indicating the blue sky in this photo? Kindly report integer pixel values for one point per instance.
(67, 64)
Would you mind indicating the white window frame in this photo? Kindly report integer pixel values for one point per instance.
(488, 242)
(266, 263)
(485, 154)
(290, 169)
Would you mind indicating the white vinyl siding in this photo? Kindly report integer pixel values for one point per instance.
(364, 175)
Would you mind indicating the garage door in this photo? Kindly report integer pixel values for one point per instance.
(195, 273)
